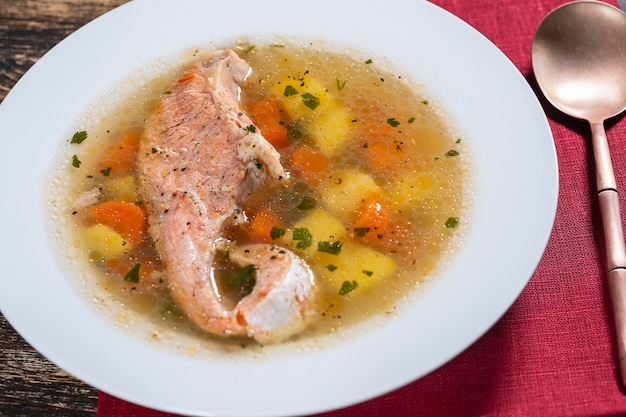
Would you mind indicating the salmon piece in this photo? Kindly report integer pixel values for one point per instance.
(198, 162)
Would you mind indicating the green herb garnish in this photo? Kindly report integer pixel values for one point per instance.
(331, 267)
(276, 233)
(368, 273)
(334, 248)
(75, 161)
(243, 280)
(393, 122)
(347, 287)
(369, 61)
(340, 85)
(303, 236)
(411, 120)
(290, 91)
(451, 222)
(310, 100)
(452, 152)
(307, 203)
(133, 274)
(361, 231)
(106, 171)
(250, 128)
(79, 137)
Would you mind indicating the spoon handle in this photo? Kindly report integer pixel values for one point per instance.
(613, 237)
(608, 199)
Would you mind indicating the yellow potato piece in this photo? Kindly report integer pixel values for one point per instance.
(355, 262)
(344, 191)
(122, 188)
(104, 243)
(321, 225)
(409, 190)
(329, 123)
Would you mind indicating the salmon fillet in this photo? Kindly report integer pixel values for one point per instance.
(198, 162)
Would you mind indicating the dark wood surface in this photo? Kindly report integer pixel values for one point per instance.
(30, 385)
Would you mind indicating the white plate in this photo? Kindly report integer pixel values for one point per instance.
(516, 186)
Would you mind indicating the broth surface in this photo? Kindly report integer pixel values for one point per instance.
(375, 202)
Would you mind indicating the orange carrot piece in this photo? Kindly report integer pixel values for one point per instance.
(260, 226)
(121, 267)
(373, 218)
(120, 158)
(267, 116)
(384, 151)
(127, 219)
(310, 163)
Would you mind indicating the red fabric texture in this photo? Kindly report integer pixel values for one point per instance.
(552, 353)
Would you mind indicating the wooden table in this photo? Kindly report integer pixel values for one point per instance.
(30, 385)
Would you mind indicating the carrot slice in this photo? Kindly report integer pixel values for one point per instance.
(310, 163)
(122, 267)
(383, 149)
(261, 225)
(267, 115)
(127, 219)
(373, 218)
(120, 158)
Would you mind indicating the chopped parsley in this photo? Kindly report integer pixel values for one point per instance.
(369, 61)
(75, 161)
(451, 222)
(243, 280)
(452, 153)
(340, 85)
(290, 91)
(303, 236)
(106, 171)
(250, 128)
(310, 100)
(79, 137)
(331, 267)
(133, 274)
(411, 120)
(307, 203)
(368, 273)
(334, 248)
(276, 233)
(347, 287)
(393, 122)
(154, 150)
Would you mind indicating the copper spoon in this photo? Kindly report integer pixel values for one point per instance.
(579, 60)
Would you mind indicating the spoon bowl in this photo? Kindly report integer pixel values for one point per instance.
(579, 60)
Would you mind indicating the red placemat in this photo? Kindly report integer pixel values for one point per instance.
(552, 353)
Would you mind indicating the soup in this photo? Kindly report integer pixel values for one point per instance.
(373, 202)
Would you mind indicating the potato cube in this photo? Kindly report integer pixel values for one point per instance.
(343, 192)
(306, 99)
(355, 262)
(122, 189)
(408, 190)
(321, 226)
(103, 242)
